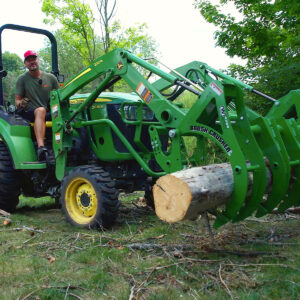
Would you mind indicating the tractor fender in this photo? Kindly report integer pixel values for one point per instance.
(16, 134)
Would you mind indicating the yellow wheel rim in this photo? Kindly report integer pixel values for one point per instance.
(81, 200)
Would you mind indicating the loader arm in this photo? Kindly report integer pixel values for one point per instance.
(112, 67)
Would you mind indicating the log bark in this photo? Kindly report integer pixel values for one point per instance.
(187, 193)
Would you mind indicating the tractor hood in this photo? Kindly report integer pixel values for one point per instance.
(107, 97)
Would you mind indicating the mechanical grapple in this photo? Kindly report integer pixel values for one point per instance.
(102, 143)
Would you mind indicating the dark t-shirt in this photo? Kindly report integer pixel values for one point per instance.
(36, 89)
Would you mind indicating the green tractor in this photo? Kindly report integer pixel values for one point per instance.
(102, 143)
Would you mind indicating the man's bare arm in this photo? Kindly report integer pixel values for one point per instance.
(18, 100)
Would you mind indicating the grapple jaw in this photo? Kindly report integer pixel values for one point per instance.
(264, 152)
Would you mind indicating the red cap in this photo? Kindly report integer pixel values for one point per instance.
(29, 53)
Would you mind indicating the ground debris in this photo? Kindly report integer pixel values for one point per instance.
(151, 246)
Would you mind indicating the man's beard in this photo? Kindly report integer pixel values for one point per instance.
(33, 68)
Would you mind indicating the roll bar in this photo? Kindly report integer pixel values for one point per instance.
(47, 33)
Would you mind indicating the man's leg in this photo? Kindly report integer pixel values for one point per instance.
(40, 125)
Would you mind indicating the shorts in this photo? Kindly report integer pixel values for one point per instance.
(29, 115)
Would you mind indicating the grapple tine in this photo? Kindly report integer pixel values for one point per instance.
(278, 163)
(256, 165)
(252, 154)
(288, 135)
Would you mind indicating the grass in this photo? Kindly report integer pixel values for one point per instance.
(141, 257)
(43, 257)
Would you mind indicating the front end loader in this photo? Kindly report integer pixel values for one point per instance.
(101, 143)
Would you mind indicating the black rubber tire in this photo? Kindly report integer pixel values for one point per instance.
(9, 181)
(105, 212)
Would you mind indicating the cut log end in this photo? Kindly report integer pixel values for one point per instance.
(172, 198)
(187, 193)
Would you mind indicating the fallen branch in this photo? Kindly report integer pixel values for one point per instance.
(149, 246)
(262, 265)
(24, 228)
(4, 213)
(239, 253)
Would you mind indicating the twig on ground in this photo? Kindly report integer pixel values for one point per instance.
(4, 213)
(67, 290)
(131, 296)
(293, 210)
(30, 294)
(54, 287)
(224, 283)
(146, 279)
(23, 228)
(25, 242)
(257, 220)
(75, 296)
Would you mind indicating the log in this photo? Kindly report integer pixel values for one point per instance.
(187, 193)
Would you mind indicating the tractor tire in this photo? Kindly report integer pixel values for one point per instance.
(89, 198)
(9, 181)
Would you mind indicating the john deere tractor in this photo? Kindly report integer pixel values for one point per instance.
(101, 143)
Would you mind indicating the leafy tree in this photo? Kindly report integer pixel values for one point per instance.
(77, 20)
(14, 66)
(77, 34)
(134, 39)
(70, 63)
(106, 13)
(12, 62)
(267, 35)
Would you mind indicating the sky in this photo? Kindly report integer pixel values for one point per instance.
(178, 28)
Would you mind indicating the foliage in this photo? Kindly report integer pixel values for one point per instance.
(268, 36)
(12, 62)
(106, 14)
(78, 44)
(14, 66)
(77, 20)
(134, 39)
(70, 63)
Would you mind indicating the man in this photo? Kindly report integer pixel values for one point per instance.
(32, 95)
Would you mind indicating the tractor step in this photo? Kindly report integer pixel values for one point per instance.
(34, 165)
